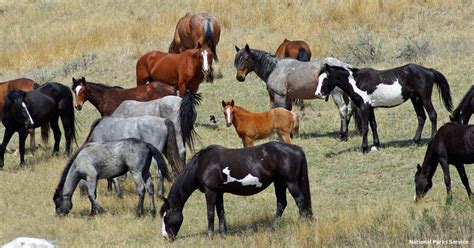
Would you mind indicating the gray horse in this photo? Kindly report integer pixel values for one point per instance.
(289, 79)
(97, 160)
(153, 130)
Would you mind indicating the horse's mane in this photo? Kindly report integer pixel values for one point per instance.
(60, 186)
(457, 110)
(103, 86)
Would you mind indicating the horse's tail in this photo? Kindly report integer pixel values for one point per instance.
(160, 161)
(443, 87)
(303, 183)
(187, 117)
(91, 129)
(73, 125)
(209, 37)
(302, 55)
(172, 153)
(295, 129)
(45, 132)
(357, 118)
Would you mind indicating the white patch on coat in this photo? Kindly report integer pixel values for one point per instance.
(321, 78)
(387, 95)
(78, 89)
(356, 89)
(227, 115)
(163, 227)
(28, 113)
(246, 181)
(205, 63)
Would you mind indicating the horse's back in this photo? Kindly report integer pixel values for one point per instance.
(456, 140)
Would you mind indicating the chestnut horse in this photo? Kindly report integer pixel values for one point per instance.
(200, 28)
(23, 84)
(184, 70)
(296, 49)
(107, 98)
(255, 126)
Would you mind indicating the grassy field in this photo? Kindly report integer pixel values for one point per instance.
(358, 200)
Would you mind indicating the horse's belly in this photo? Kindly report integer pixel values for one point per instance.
(387, 95)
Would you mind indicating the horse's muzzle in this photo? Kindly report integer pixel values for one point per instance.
(228, 124)
(78, 106)
(240, 78)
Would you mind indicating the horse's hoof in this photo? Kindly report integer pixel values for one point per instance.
(344, 137)
(374, 148)
(153, 213)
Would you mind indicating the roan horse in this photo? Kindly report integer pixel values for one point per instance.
(296, 49)
(23, 84)
(216, 170)
(463, 112)
(107, 98)
(43, 106)
(191, 29)
(452, 144)
(98, 160)
(255, 126)
(289, 79)
(369, 89)
(185, 70)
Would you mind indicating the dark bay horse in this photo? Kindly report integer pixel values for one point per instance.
(200, 28)
(462, 113)
(216, 170)
(23, 84)
(184, 71)
(255, 126)
(98, 160)
(369, 89)
(296, 49)
(43, 106)
(107, 98)
(452, 144)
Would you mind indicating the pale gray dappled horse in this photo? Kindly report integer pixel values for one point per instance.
(153, 130)
(180, 111)
(97, 160)
(289, 79)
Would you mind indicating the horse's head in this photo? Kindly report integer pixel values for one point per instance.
(63, 205)
(228, 112)
(80, 91)
(423, 184)
(172, 220)
(243, 62)
(16, 109)
(329, 77)
(205, 58)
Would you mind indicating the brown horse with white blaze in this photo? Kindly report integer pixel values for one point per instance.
(255, 126)
(296, 49)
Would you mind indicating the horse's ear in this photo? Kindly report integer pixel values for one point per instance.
(418, 167)
(223, 103)
(198, 45)
(232, 103)
(327, 67)
(83, 80)
(247, 48)
(73, 79)
(237, 48)
(286, 40)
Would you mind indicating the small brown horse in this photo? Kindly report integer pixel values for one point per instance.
(255, 126)
(23, 84)
(296, 49)
(185, 70)
(200, 28)
(107, 98)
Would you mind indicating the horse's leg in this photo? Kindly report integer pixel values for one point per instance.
(57, 134)
(211, 204)
(343, 113)
(364, 114)
(161, 183)
(464, 180)
(151, 191)
(279, 101)
(247, 142)
(6, 138)
(298, 195)
(431, 113)
(420, 113)
(22, 134)
(182, 87)
(31, 132)
(280, 192)
(221, 213)
(140, 185)
(68, 131)
(373, 127)
(118, 190)
(447, 178)
(284, 136)
(92, 194)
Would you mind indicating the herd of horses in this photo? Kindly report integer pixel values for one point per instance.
(155, 120)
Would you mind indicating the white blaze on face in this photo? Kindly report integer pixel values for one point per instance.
(323, 76)
(78, 89)
(205, 63)
(387, 95)
(227, 116)
(163, 227)
(246, 181)
(28, 113)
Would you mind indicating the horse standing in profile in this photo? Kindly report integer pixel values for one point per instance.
(369, 89)
(216, 170)
(296, 49)
(192, 30)
(462, 113)
(452, 144)
(99, 160)
(255, 126)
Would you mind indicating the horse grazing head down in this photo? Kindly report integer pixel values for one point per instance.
(16, 110)
(172, 220)
(62, 205)
(423, 184)
(80, 91)
(243, 62)
(228, 112)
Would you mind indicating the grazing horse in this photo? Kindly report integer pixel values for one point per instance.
(369, 89)
(185, 70)
(43, 106)
(289, 79)
(196, 29)
(216, 170)
(23, 84)
(107, 98)
(452, 144)
(98, 160)
(463, 112)
(296, 49)
(255, 126)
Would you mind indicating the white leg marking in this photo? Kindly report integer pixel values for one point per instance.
(163, 227)
(247, 180)
(205, 63)
(27, 112)
(321, 78)
(78, 89)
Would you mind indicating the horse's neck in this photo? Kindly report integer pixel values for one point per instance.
(429, 164)
(72, 179)
(95, 95)
(265, 65)
(179, 195)
(239, 113)
(349, 89)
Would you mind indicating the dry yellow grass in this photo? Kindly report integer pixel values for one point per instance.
(358, 200)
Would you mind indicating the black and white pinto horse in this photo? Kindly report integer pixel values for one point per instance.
(39, 108)
(289, 79)
(369, 89)
(462, 113)
(216, 170)
(97, 160)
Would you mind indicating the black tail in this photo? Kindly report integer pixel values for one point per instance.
(443, 87)
(187, 117)
(303, 183)
(209, 37)
(160, 162)
(302, 55)
(45, 132)
(172, 153)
